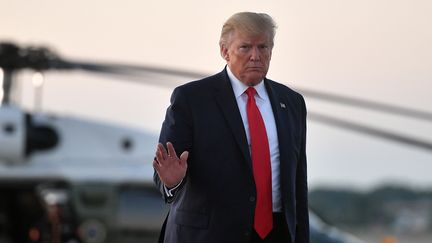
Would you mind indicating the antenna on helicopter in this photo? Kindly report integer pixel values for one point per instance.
(13, 58)
(7, 54)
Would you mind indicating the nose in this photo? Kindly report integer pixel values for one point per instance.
(255, 54)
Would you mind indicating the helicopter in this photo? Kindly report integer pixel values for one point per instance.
(68, 179)
(65, 179)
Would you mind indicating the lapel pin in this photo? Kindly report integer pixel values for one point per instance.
(282, 105)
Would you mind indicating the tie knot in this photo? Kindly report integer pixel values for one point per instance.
(251, 92)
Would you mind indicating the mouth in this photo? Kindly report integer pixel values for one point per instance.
(254, 68)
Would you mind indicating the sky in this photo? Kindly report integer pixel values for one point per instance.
(378, 50)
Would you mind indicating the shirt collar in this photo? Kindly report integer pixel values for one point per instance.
(239, 88)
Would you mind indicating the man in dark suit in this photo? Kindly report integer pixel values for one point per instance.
(234, 165)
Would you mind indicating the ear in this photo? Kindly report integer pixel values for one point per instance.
(224, 52)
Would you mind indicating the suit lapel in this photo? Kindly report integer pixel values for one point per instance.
(226, 100)
(281, 113)
(281, 109)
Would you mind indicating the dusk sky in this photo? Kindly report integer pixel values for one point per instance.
(377, 50)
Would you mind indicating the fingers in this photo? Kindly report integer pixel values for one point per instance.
(156, 165)
(183, 157)
(169, 155)
(162, 151)
(161, 154)
(171, 150)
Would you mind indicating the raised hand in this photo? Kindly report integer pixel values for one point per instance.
(170, 168)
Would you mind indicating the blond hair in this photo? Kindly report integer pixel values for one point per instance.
(249, 23)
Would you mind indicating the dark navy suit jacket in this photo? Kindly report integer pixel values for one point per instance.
(215, 202)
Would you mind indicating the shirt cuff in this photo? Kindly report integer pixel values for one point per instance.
(170, 192)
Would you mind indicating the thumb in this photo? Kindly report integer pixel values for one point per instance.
(184, 156)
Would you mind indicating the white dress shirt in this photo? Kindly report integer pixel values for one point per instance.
(264, 105)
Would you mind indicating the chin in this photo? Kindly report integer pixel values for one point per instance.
(255, 79)
(253, 82)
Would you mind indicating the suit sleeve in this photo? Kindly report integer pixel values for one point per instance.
(177, 129)
(302, 228)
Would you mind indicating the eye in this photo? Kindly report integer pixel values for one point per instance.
(244, 47)
(263, 47)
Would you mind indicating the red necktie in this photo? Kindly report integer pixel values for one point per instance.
(263, 222)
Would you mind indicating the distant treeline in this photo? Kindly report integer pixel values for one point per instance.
(384, 206)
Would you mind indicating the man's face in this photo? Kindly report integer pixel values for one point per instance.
(248, 56)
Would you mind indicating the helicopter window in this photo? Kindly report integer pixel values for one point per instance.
(141, 209)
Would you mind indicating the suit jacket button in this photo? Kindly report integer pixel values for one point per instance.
(247, 234)
(252, 198)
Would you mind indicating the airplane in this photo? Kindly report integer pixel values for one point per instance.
(69, 179)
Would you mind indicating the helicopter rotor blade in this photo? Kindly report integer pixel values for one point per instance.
(369, 105)
(13, 58)
(131, 71)
(367, 130)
